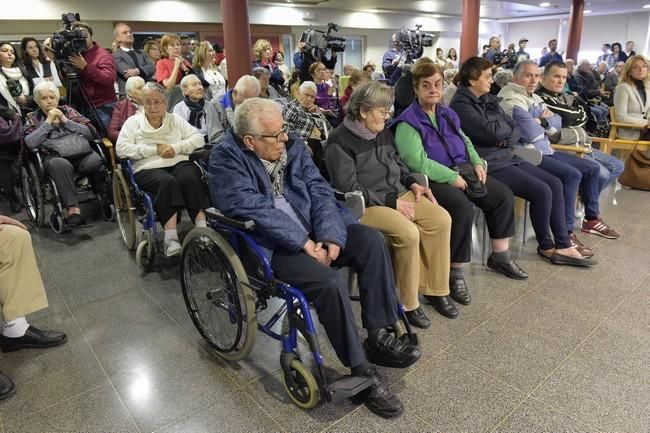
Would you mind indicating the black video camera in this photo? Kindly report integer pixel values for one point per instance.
(69, 41)
(321, 41)
(412, 42)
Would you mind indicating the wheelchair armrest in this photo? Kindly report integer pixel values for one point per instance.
(215, 214)
(570, 148)
(352, 201)
(422, 179)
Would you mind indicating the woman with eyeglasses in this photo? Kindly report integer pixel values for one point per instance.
(361, 156)
(159, 144)
(16, 85)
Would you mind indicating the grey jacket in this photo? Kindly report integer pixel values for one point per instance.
(370, 166)
(123, 61)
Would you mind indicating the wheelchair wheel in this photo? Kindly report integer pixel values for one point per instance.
(33, 194)
(124, 208)
(301, 385)
(217, 295)
(56, 222)
(145, 253)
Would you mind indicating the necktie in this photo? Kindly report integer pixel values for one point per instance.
(131, 54)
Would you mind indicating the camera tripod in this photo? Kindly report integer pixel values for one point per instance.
(77, 98)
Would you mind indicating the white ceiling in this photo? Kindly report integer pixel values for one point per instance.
(491, 9)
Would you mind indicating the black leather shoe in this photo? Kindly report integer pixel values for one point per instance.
(459, 291)
(417, 318)
(76, 220)
(510, 269)
(443, 305)
(378, 397)
(559, 259)
(7, 387)
(34, 338)
(389, 351)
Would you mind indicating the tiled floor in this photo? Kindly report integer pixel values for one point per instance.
(566, 351)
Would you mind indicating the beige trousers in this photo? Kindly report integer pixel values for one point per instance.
(21, 287)
(420, 249)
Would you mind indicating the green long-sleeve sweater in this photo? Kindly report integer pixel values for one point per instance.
(409, 145)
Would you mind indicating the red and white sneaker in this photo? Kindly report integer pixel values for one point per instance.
(598, 227)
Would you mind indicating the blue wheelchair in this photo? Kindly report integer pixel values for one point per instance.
(226, 279)
(133, 204)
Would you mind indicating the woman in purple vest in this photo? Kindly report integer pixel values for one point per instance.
(430, 141)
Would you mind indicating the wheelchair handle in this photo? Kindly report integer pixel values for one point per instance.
(215, 214)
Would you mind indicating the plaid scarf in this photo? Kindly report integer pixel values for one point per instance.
(275, 170)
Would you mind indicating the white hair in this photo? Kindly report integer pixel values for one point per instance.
(249, 113)
(307, 85)
(247, 82)
(132, 83)
(45, 85)
(188, 79)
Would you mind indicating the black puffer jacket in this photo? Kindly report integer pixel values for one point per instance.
(492, 132)
(370, 166)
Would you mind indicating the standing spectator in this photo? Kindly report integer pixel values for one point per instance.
(186, 48)
(485, 50)
(392, 57)
(552, 54)
(97, 75)
(278, 61)
(494, 51)
(452, 58)
(172, 67)
(36, 62)
(617, 54)
(521, 53)
(370, 64)
(611, 81)
(205, 68)
(629, 49)
(440, 58)
(605, 57)
(263, 49)
(129, 61)
(152, 50)
(16, 86)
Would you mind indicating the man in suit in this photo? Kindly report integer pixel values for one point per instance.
(129, 61)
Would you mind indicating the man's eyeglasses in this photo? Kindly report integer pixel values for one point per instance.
(283, 131)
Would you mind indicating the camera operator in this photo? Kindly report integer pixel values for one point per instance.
(391, 57)
(494, 54)
(307, 57)
(129, 61)
(97, 75)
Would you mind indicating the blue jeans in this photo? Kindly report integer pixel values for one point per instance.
(102, 115)
(575, 173)
(610, 167)
(600, 112)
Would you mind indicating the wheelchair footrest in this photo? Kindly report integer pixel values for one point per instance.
(348, 386)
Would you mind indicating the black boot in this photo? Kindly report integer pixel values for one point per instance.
(383, 348)
(378, 397)
(7, 386)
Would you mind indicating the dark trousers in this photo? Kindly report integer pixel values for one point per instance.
(546, 196)
(366, 253)
(9, 176)
(575, 173)
(174, 189)
(62, 171)
(497, 205)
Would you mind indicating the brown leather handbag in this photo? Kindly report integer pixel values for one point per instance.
(637, 170)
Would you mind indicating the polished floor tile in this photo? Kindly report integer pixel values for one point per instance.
(564, 352)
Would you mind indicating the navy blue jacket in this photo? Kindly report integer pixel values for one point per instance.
(240, 188)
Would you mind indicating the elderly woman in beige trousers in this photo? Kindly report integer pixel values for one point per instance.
(361, 155)
(21, 293)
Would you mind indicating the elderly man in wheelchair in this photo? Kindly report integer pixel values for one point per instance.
(63, 138)
(260, 173)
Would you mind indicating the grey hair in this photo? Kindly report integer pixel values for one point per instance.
(156, 87)
(307, 85)
(519, 67)
(503, 77)
(45, 85)
(449, 74)
(370, 95)
(187, 80)
(258, 72)
(245, 83)
(249, 113)
(132, 83)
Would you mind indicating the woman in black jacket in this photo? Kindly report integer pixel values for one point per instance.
(494, 136)
(361, 156)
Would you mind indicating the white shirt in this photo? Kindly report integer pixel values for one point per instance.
(38, 67)
(216, 80)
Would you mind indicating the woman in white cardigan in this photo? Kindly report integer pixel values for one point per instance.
(632, 98)
(159, 145)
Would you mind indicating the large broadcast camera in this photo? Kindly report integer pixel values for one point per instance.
(321, 41)
(69, 41)
(412, 42)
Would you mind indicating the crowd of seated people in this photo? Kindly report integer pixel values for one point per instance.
(279, 151)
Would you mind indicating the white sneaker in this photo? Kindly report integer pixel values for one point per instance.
(172, 248)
